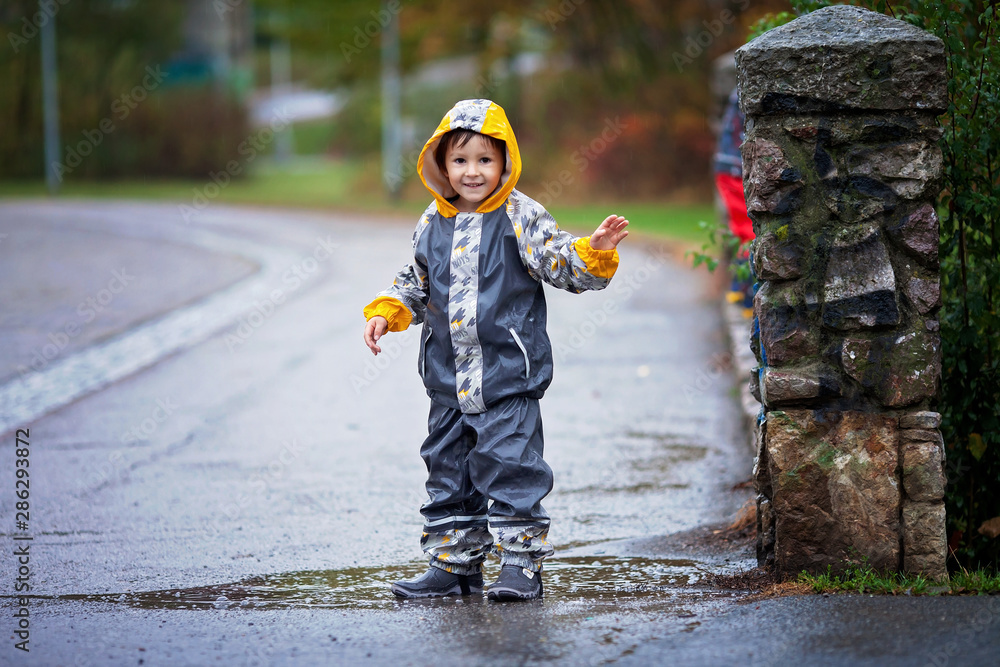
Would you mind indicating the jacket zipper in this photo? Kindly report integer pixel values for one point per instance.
(524, 351)
(423, 355)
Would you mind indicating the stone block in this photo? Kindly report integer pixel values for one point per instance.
(882, 128)
(924, 294)
(760, 428)
(788, 387)
(840, 58)
(858, 198)
(931, 436)
(803, 128)
(761, 481)
(768, 184)
(910, 169)
(797, 384)
(925, 546)
(754, 383)
(990, 528)
(918, 233)
(860, 287)
(924, 436)
(787, 333)
(925, 419)
(887, 128)
(835, 493)
(776, 257)
(755, 339)
(897, 369)
(920, 434)
(923, 474)
(765, 532)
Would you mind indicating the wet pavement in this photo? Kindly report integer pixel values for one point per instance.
(103, 286)
(222, 474)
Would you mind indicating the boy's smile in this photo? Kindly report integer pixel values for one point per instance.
(474, 172)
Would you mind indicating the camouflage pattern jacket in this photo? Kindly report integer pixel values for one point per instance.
(475, 280)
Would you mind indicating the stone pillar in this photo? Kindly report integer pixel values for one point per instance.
(841, 173)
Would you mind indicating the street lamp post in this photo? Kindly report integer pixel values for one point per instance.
(50, 101)
(391, 139)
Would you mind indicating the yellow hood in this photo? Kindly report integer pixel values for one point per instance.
(481, 116)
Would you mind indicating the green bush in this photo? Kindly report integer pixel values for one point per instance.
(970, 270)
(181, 132)
(358, 126)
(121, 114)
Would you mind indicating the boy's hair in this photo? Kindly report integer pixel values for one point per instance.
(462, 137)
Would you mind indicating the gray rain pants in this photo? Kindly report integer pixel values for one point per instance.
(473, 459)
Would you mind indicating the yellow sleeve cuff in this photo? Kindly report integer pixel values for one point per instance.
(393, 310)
(601, 263)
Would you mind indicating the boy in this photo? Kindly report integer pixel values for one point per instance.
(479, 252)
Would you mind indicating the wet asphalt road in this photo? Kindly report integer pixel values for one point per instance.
(222, 474)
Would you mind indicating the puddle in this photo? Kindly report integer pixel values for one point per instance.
(571, 579)
(589, 576)
(640, 487)
(669, 449)
(663, 439)
(668, 460)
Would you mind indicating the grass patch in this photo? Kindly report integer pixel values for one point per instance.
(313, 183)
(353, 185)
(977, 581)
(864, 579)
(674, 221)
(312, 137)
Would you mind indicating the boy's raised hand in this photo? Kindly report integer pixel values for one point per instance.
(609, 233)
(374, 330)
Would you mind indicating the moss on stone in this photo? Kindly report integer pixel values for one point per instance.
(825, 455)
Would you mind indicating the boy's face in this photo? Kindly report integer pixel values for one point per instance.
(474, 171)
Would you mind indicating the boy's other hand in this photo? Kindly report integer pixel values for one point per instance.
(376, 326)
(610, 233)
